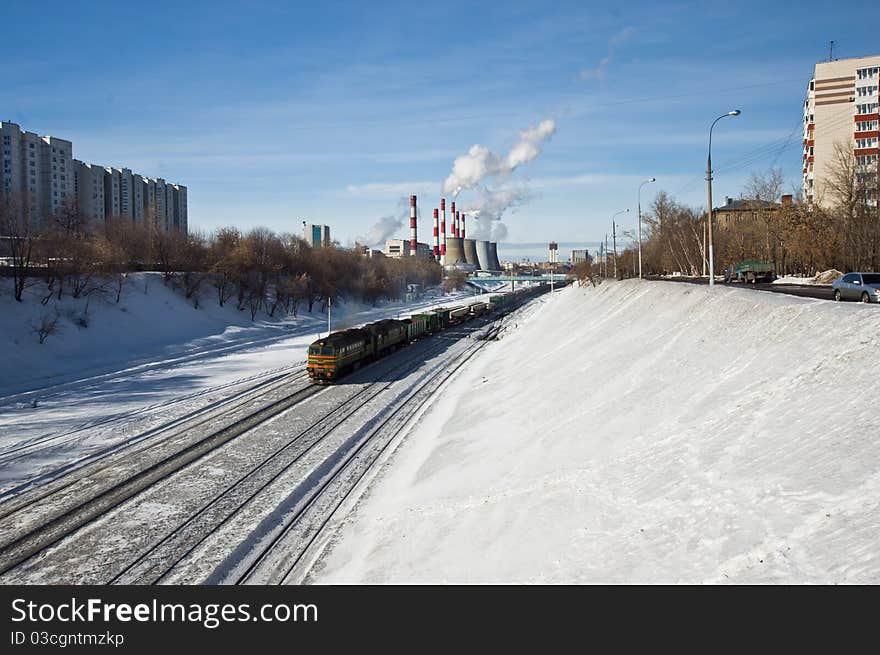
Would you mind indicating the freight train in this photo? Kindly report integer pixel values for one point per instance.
(347, 350)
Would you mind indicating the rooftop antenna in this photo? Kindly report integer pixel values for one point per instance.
(831, 52)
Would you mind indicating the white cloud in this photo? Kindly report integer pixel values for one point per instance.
(601, 70)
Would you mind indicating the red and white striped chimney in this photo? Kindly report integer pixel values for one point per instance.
(443, 230)
(413, 237)
(462, 225)
(452, 220)
(457, 225)
(436, 234)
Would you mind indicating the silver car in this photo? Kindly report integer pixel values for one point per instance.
(857, 286)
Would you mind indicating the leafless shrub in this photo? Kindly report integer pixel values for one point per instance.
(47, 325)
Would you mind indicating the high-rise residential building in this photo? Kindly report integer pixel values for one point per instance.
(40, 177)
(169, 206)
(160, 213)
(841, 110)
(57, 171)
(22, 182)
(126, 193)
(89, 183)
(180, 211)
(137, 194)
(317, 236)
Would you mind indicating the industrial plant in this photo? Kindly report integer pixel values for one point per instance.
(452, 249)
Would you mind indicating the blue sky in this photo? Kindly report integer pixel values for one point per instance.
(273, 113)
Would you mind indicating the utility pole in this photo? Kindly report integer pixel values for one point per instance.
(614, 237)
(831, 52)
(328, 316)
(605, 258)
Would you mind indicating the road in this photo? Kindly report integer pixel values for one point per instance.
(806, 290)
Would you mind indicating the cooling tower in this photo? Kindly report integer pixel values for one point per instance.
(483, 260)
(494, 264)
(454, 251)
(470, 252)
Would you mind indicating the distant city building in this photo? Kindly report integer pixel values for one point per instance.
(317, 236)
(366, 251)
(40, 175)
(841, 108)
(580, 256)
(397, 248)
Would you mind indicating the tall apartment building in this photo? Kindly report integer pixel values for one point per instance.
(39, 175)
(89, 183)
(111, 194)
(841, 108)
(180, 209)
(37, 172)
(137, 193)
(317, 236)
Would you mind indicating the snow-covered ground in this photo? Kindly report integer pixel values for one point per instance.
(147, 359)
(640, 432)
(823, 278)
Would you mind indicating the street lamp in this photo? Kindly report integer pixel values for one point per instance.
(614, 237)
(650, 179)
(735, 112)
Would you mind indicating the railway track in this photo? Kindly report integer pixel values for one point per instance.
(30, 447)
(155, 565)
(296, 543)
(47, 516)
(52, 511)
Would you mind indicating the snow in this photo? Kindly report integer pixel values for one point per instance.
(151, 323)
(821, 278)
(639, 433)
(144, 361)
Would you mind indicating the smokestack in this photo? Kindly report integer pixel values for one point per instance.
(452, 220)
(457, 225)
(413, 237)
(462, 225)
(443, 230)
(436, 234)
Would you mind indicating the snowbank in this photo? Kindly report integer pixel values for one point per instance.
(641, 432)
(824, 277)
(151, 323)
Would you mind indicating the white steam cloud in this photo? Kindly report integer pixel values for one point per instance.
(471, 169)
(479, 163)
(383, 230)
(387, 226)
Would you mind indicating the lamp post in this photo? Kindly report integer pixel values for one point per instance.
(650, 179)
(735, 112)
(614, 237)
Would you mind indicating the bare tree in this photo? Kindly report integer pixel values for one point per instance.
(20, 239)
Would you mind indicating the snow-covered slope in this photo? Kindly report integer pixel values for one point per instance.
(151, 323)
(641, 432)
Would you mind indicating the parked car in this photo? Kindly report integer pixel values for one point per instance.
(857, 286)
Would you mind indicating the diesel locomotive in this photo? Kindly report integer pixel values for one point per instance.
(347, 350)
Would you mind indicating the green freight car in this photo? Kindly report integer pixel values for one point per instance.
(432, 321)
(416, 327)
